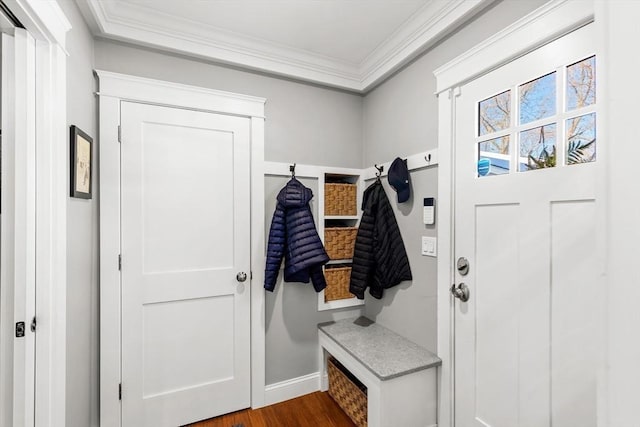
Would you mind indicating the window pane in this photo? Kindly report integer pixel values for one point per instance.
(581, 84)
(581, 139)
(538, 98)
(495, 113)
(538, 148)
(493, 157)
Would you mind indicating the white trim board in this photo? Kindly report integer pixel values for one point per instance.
(290, 389)
(538, 28)
(547, 23)
(142, 89)
(45, 20)
(115, 88)
(144, 25)
(415, 161)
(48, 25)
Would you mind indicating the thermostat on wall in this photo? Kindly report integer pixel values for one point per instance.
(429, 216)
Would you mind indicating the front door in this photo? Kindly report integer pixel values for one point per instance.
(185, 258)
(525, 220)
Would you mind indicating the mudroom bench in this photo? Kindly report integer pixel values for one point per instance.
(397, 373)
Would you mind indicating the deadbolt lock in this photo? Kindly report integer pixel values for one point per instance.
(463, 266)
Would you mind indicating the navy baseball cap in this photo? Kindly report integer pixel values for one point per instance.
(399, 179)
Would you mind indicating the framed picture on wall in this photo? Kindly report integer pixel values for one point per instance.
(81, 156)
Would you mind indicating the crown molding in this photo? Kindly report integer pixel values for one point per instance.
(140, 24)
(425, 28)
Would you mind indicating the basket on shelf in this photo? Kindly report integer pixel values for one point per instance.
(337, 283)
(339, 242)
(349, 393)
(340, 199)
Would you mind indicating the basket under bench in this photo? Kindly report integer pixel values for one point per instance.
(399, 375)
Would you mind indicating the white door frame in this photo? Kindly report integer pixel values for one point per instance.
(47, 193)
(115, 88)
(545, 24)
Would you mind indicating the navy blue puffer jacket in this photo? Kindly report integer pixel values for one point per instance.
(293, 235)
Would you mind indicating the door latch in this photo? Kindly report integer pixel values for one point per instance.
(461, 292)
(20, 329)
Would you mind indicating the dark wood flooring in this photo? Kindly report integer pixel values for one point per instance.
(313, 410)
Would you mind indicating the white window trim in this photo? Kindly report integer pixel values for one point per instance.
(115, 88)
(547, 23)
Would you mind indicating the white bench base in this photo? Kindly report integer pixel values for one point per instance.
(409, 400)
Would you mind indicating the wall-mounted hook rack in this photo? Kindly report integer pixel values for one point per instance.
(425, 159)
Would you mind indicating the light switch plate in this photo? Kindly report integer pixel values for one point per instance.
(429, 246)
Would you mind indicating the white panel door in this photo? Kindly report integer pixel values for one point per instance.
(525, 175)
(185, 236)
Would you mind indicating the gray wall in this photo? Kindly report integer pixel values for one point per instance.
(82, 237)
(305, 124)
(292, 309)
(400, 119)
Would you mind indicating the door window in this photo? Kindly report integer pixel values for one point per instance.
(549, 126)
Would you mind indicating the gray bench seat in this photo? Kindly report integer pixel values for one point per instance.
(386, 354)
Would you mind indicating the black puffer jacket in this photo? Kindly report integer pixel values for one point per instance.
(293, 235)
(380, 260)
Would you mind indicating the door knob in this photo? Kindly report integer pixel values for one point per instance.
(241, 277)
(461, 292)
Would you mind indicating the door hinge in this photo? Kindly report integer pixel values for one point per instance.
(119, 262)
(34, 324)
(251, 275)
(120, 391)
(119, 133)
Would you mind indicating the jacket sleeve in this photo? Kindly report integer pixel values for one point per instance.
(275, 248)
(363, 260)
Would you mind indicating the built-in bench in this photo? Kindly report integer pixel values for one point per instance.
(401, 387)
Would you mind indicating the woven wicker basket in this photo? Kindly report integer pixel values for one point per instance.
(348, 392)
(337, 283)
(340, 199)
(339, 241)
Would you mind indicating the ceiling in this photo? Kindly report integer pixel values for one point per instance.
(349, 44)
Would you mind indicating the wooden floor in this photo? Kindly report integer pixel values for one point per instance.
(313, 410)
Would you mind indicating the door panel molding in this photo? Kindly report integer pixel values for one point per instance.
(547, 23)
(114, 89)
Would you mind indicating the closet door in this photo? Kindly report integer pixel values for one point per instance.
(185, 258)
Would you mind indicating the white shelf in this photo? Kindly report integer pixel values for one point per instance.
(340, 261)
(340, 303)
(347, 220)
(342, 217)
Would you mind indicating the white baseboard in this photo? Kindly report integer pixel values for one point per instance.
(290, 389)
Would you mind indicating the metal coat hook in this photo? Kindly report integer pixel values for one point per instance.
(292, 169)
(380, 169)
(428, 158)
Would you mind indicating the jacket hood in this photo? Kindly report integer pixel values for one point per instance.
(294, 195)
